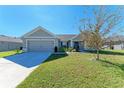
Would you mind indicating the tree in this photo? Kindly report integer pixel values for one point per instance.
(98, 27)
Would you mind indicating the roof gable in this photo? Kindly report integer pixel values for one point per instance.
(38, 32)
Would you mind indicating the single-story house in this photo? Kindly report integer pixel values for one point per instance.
(115, 42)
(9, 43)
(40, 39)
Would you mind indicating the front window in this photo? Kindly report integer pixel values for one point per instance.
(76, 46)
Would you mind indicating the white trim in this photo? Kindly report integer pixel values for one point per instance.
(38, 40)
(36, 29)
(77, 40)
(71, 42)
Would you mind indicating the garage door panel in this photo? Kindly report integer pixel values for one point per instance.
(43, 46)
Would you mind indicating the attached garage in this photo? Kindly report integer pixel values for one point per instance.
(39, 40)
(40, 45)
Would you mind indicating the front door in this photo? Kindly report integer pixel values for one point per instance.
(76, 46)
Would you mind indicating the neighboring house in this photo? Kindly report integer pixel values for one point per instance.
(40, 39)
(9, 43)
(115, 42)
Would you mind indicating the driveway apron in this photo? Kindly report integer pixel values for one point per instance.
(14, 69)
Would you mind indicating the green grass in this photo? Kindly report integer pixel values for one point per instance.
(120, 51)
(8, 53)
(108, 52)
(65, 49)
(77, 70)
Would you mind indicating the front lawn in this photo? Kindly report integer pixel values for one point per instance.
(8, 53)
(77, 70)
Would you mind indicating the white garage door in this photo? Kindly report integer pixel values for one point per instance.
(41, 46)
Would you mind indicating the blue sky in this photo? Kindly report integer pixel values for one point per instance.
(17, 20)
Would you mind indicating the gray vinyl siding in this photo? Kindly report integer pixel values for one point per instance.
(6, 46)
(40, 33)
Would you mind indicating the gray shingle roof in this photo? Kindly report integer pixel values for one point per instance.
(65, 37)
(10, 39)
(115, 38)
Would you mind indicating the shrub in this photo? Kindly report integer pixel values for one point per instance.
(65, 49)
(61, 49)
(17, 50)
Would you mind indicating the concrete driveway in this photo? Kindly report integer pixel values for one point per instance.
(16, 68)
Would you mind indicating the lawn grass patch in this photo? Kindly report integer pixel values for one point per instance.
(108, 52)
(8, 53)
(77, 70)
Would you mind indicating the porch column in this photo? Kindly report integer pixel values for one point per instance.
(71, 43)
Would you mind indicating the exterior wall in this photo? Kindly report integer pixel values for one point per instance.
(57, 43)
(3, 46)
(6, 46)
(13, 45)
